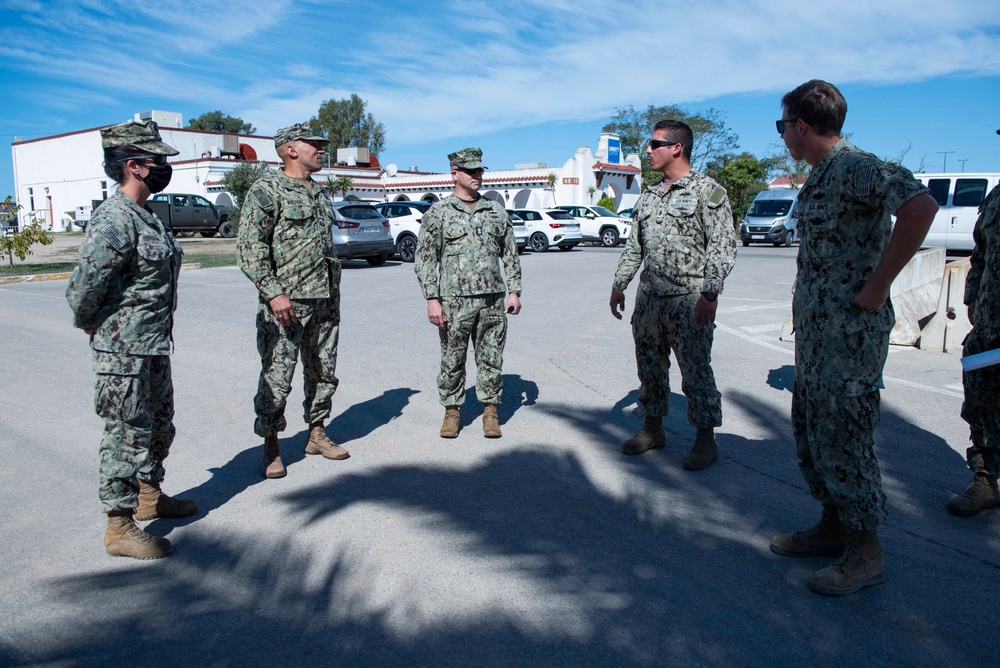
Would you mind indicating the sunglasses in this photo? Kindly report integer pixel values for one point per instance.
(158, 159)
(654, 144)
(781, 124)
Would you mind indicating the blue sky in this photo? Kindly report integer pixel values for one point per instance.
(526, 81)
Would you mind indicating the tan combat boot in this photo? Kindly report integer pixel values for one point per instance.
(829, 538)
(861, 565)
(491, 422)
(153, 503)
(320, 444)
(649, 437)
(124, 539)
(704, 452)
(449, 428)
(981, 495)
(273, 466)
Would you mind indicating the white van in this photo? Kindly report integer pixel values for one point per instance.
(958, 195)
(772, 218)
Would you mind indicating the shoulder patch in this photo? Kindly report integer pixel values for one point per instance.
(717, 197)
(864, 178)
(262, 198)
(114, 237)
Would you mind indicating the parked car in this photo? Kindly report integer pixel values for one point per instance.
(550, 227)
(187, 213)
(404, 221)
(520, 231)
(360, 231)
(626, 213)
(599, 224)
(772, 218)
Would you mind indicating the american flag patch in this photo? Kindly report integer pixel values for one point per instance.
(263, 199)
(114, 237)
(864, 179)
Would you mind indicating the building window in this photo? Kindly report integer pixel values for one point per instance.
(104, 190)
(31, 199)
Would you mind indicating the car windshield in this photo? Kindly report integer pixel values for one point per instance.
(601, 211)
(559, 215)
(770, 207)
(422, 207)
(359, 212)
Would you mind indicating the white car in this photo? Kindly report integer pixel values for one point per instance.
(520, 231)
(599, 224)
(404, 221)
(550, 227)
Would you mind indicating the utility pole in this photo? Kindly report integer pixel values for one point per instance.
(963, 161)
(945, 154)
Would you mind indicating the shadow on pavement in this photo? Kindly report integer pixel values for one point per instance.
(526, 559)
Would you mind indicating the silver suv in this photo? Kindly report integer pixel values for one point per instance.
(359, 231)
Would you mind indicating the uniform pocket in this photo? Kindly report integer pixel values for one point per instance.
(154, 248)
(118, 387)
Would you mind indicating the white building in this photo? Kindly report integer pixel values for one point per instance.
(56, 176)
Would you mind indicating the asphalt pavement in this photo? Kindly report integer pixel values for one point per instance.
(546, 547)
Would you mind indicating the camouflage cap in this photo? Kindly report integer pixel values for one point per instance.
(467, 158)
(297, 131)
(144, 136)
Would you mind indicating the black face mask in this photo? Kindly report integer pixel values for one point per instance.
(158, 177)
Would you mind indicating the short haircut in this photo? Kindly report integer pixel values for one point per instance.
(819, 104)
(115, 159)
(679, 132)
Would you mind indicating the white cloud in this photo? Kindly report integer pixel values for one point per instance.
(453, 69)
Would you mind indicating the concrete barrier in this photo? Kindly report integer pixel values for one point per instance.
(914, 296)
(947, 329)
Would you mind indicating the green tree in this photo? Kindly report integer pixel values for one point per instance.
(551, 179)
(743, 176)
(345, 124)
(237, 182)
(608, 203)
(590, 191)
(781, 163)
(216, 121)
(340, 185)
(712, 137)
(20, 242)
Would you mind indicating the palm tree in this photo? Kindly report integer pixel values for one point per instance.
(551, 178)
(342, 185)
(590, 191)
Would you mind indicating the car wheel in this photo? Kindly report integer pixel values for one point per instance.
(539, 242)
(787, 240)
(745, 243)
(208, 234)
(226, 230)
(407, 247)
(610, 237)
(378, 260)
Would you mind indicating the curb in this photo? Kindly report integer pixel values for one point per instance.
(63, 275)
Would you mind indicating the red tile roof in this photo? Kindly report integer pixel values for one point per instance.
(610, 167)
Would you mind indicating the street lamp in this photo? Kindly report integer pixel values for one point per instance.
(506, 195)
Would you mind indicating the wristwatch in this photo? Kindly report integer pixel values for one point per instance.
(710, 296)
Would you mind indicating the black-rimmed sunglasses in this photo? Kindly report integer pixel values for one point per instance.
(781, 124)
(660, 143)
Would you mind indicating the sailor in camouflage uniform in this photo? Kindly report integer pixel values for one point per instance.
(981, 408)
(285, 248)
(683, 231)
(123, 294)
(463, 239)
(848, 257)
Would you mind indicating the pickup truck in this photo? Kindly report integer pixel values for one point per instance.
(186, 214)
